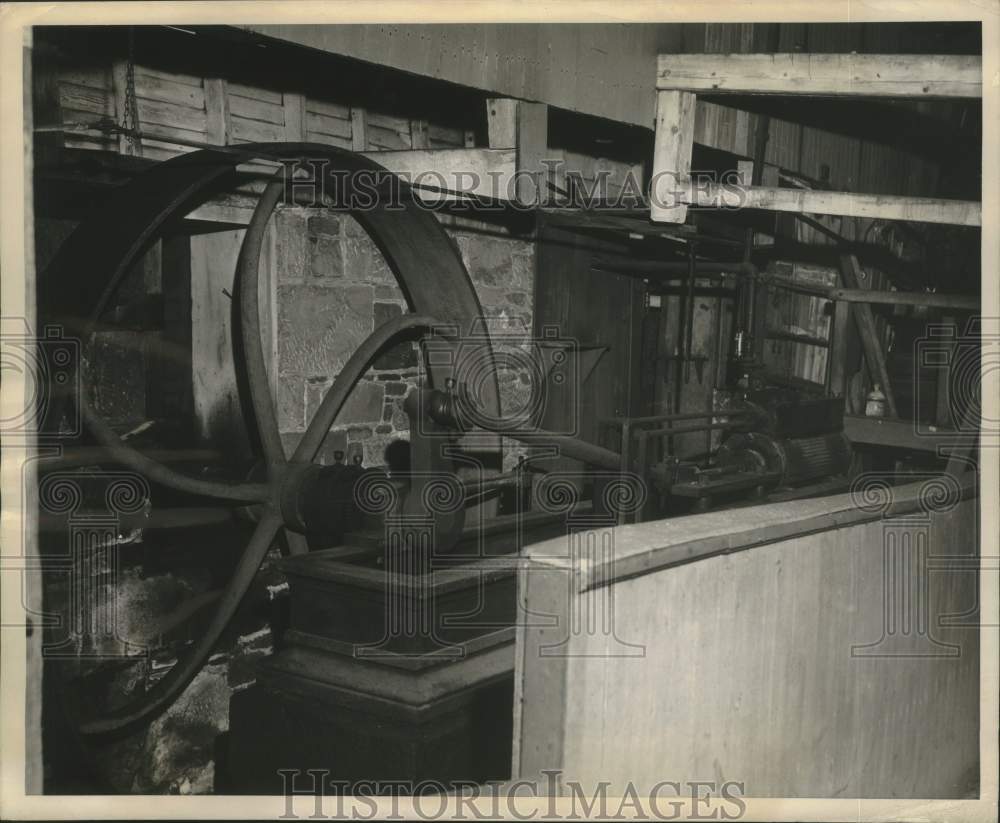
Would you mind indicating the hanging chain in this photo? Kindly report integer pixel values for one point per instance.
(130, 116)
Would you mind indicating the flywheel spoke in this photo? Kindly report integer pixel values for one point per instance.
(159, 473)
(352, 372)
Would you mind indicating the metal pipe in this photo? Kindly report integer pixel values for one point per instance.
(664, 432)
(664, 418)
(705, 268)
(751, 318)
(477, 488)
(571, 447)
(642, 438)
(701, 292)
(442, 407)
(689, 318)
(626, 457)
(708, 432)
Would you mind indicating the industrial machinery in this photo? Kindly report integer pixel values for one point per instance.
(774, 438)
(364, 527)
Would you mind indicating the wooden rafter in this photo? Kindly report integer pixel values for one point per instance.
(851, 75)
(846, 203)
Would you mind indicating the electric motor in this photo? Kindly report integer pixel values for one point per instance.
(794, 460)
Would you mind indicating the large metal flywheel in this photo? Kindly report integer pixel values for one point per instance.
(78, 284)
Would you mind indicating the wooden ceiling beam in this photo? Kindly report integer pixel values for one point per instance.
(846, 203)
(826, 75)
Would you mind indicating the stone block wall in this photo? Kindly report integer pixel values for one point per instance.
(334, 288)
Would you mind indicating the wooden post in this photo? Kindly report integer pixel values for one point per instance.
(295, 116)
(501, 121)
(532, 141)
(522, 126)
(745, 170)
(359, 129)
(217, 111)
(850, 271)
(418, 135)
(119, 84)
(672, 155)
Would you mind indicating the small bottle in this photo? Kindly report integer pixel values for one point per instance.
(875, 407)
